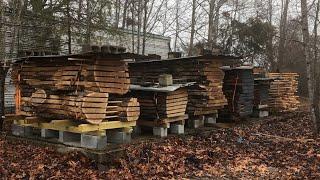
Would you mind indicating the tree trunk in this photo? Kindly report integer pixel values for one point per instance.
(269, 47)
(215, 29)
(69, 26)
(211, 26)
(88, 32)
(124, 15)
(118, 8)
(306, 45)
(139, 27)
(193, 24)
(177, 26)
(316, 65)
(145, 19)
(283, 33)
(132, 26)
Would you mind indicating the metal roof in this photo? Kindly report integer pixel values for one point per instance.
(158, 88)
(228, 68)
(208, 57)
(84, 56)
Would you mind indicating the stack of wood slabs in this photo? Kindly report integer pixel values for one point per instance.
(123, 108)
(261, 92)
(109, 76)
(238, 88)
(89, 107)
(283, 91)
(204, 98)
(75, 87)
(162, 105)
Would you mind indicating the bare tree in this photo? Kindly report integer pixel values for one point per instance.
(307, 53)
(283, 29)
(211, 26)
(316, 65)
(144, 28)
(177, 24)
(17, 6)
(125, 13)
(193, 24)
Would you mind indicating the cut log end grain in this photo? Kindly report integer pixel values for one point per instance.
(38, 97)
(84, 106)
(125, 108)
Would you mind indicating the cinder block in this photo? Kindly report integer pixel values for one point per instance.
(263, 114)
(160, 131)
(165, 80)
(177, 129)
(93, 142)
(210, 120)
(69, 137)
(119, 137)
(18, 130)
(49, 133)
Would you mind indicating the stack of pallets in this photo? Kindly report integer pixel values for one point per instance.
(238, 88)
(283, 91)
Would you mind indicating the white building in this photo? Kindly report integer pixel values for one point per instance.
(155, 44)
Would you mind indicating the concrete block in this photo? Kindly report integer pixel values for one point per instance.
(165, 80)
(119, 137)
(18, 130)
(93, 142)
(160, 131)
(210, 120)
(69, 138)
(177, 129)
(263, 114)
(49, 133)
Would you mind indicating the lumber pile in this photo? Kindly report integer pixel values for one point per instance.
(161, 105)
(109, 76)
(89, 106)
(238, 88)
(124, 108)
(205, 97)
(90, 87)
(261, 89)
(283, 91)
(261, 92)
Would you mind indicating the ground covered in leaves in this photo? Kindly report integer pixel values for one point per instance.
(277, 147)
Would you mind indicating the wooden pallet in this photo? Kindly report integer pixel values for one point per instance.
(162, 122)
(74, 127)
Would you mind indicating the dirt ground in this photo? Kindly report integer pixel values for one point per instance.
(281, 146)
